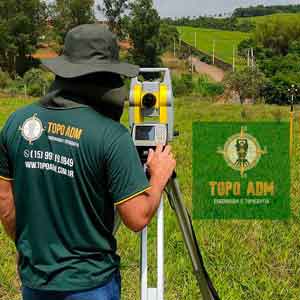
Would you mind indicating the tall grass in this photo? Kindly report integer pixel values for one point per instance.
(253, 260)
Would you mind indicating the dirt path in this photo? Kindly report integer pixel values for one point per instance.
(213, 72)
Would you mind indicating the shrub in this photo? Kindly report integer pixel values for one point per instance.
(37, 82)
(5, 80)
(185, 85)
(16, 86)
(182, 85)
(205, 87)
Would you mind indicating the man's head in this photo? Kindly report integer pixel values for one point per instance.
(89, 68)
(89, 49)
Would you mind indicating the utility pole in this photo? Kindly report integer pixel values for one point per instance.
(233, 59)
(192, 62)
(248, 58)
(174, 47)
(214, 50)
(252, 58)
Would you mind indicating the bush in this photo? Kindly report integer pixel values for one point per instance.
(16, 86)
(37, 82)
(182, 85)
(205, 87)
(5, 80)
(185, 85)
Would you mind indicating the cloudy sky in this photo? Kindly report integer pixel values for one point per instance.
(200, 7)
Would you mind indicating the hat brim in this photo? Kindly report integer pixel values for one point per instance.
(63, 68)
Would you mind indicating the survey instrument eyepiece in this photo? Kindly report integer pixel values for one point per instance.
(149, 100)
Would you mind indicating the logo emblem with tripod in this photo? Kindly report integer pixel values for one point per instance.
(242, 151)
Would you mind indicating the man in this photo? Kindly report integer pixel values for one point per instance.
(65, 164)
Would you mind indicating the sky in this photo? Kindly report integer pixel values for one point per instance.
(179, 8)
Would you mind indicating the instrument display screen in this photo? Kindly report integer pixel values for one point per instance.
(145, 133)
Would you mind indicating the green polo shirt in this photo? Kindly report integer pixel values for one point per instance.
(70, 167)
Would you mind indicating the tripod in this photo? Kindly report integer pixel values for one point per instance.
(204, 282)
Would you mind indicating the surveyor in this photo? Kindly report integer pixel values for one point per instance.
(66, 163)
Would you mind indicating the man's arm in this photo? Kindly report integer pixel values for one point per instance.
(7, 208)
(137, 212)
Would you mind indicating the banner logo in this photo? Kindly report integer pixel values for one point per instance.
(32, 129)
(242, 151)
(241, 170)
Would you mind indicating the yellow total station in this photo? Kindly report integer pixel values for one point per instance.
(152, 99)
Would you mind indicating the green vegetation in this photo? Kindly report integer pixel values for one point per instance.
(144, 30)
(243, 19)
(261, 10)
(35, 82)
(66, 14)
(247, 82)
(199, 85)
(277, 48)
(224, 41)
(246, 259)
(268, 18)
(113, 11)
(230, 24)
(21, 24)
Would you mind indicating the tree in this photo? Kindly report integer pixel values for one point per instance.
(277, 34)
(113, 11)
(144, 29)
(282, 71)
(67, 14)
(248, 83)
(167, 35)
(21, 24)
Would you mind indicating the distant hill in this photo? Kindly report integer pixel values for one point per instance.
(261, 10)
(263, 19)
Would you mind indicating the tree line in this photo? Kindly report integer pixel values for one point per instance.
(231, 24)
(276, 45)
(261, 10)
(26, 25)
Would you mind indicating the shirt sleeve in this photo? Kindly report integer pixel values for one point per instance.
(125, 173)
(5, 164)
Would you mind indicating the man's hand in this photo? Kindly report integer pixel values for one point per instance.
(137, 212)
(161, 165)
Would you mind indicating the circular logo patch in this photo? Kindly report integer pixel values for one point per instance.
(242, 151)
(32, 129)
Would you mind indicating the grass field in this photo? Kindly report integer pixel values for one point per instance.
(279, 16)
(247, 260)
(224, 40)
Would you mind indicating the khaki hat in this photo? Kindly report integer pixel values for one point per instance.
(88, 49)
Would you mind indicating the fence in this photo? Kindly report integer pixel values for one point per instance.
(188, 48)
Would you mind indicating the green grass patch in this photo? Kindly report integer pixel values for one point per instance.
(263, 19)
(246, 259)
(224, 40)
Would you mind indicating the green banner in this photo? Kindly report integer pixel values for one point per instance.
(241, 171)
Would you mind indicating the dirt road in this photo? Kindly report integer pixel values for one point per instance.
(213, 72)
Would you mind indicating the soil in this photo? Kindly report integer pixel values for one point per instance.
(213, 72)
(180, 66)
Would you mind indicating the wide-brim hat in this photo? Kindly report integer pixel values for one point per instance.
(89, 49)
